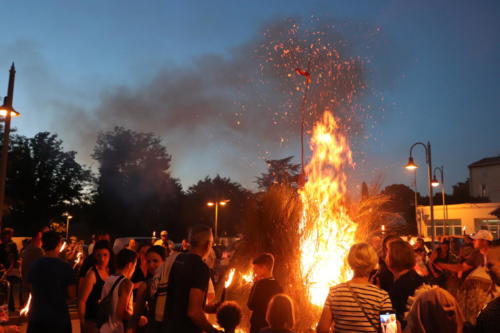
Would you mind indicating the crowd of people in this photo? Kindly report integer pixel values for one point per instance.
(158, 287)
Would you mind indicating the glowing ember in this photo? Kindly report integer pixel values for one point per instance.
(327, 232)
(229, 279)
(25, 311)
(248, 278)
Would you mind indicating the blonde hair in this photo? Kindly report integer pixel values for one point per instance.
(280, 312)
(362, 258)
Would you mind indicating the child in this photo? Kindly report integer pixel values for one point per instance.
(229, 316)
(280, 315)
(264, 288)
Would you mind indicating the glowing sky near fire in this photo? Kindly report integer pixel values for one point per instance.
(434, 66)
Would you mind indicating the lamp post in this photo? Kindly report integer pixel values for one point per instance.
(412, 166)
(68, 218)
(435, 183)
(415, 199)
(216, 204)
(6, 112)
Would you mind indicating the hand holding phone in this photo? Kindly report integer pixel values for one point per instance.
(388, 322)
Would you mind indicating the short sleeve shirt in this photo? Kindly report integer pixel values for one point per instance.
(347, 313)
(188, 272)
(50, 278)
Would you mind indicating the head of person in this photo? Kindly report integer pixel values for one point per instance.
(51, 241)
(280, 312)
(493, 264)
(362, 259)
(73, 240)
(36, 238)
(419, 244)
(229, 316)
(185, 244)
(444, 245)
(467, 240)
(132, 245)
(102, 235)
(102, 253)
(155, 257)
(482, 239)
(201, 239)
(434, 310)
(388, 239)
(125, 262)
(164, 235)
(143, 250)
(7, 234)
(263, 265)
(400, 256)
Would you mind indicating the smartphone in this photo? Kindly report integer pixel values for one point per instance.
(388, 322)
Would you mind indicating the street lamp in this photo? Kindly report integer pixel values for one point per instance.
(435, 183)
(412, 166)
(216, 204)
(68, 218)
(6, 112)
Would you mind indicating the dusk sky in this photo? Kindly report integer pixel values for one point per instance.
(432, 67)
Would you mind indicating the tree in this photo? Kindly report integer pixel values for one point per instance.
(43, 180)
(279, 172)
(135, 192)
(230, 219)
(402, 201)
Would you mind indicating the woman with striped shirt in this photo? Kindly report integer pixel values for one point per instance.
(355, 306)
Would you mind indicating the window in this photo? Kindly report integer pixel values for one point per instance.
(446, 227)
(488, 224)
(484, 192)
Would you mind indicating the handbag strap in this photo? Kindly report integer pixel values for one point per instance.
(110, 294)
(376, 327)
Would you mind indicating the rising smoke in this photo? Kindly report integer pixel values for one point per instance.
(228, 112)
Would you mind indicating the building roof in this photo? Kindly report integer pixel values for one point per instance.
(486, 161)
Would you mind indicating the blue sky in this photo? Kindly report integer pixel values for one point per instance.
(436, 64)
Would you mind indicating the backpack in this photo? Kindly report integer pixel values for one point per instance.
(104, 306)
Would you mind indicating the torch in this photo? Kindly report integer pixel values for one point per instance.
(248, 278)
(228, 282)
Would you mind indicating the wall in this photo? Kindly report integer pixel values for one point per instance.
(468, 215)
(488, 176)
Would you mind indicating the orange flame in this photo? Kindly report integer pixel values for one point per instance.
(229, 279)
(248, 278)
(25, 311)
(327, 232)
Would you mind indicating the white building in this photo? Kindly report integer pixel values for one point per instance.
(485, 178)
(467, 217)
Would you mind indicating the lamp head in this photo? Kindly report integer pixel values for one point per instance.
(6, 109)
(434, 182)
(210, 204)
(411, 164)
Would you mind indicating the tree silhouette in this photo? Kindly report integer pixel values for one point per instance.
(195, 209)
(401, 201)
(135, 192)
(43, 181)
(279, 172)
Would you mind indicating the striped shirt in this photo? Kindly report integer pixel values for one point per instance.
(347, 314)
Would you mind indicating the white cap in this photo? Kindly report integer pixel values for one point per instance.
(483, 234)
